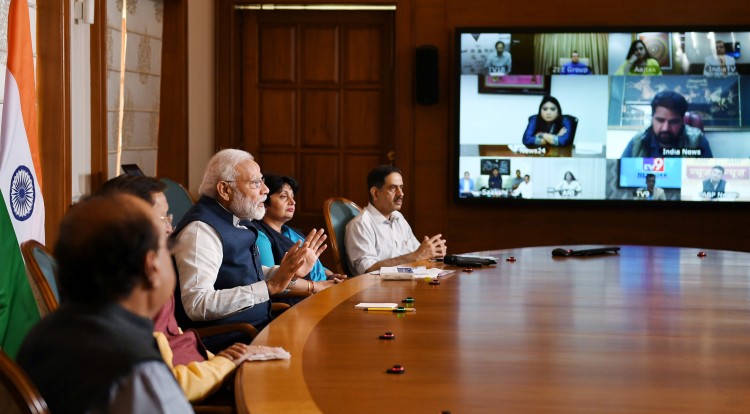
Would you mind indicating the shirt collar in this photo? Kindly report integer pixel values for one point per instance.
(379, 218)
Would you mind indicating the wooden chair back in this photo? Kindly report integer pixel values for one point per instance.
(17, 394)
(41, 267)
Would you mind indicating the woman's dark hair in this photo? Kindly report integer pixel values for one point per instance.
(573, 177)
(276, 182)
(557, 124)
(631, 51)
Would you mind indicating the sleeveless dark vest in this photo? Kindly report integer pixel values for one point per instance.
(708, 189)
(75, 354)
(240, 265)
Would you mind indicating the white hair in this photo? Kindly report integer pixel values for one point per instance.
(222, 167)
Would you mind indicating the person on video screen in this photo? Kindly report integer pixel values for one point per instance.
(651, 191)
(721, 65)
(714, 186)
(466, 185)
(525, 189)
(548, 126)
(517, 180)
(639, 61)
(500, 63)
(575, 67)
(569, 187)
(496, 180)
(668, 136)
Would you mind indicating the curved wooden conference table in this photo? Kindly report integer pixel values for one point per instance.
(653, 329)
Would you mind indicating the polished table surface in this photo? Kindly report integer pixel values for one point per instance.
(653, 329)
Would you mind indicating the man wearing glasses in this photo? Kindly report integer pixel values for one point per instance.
(380, 236)
(198, 373)
(221, 279)
(96, 352)
(146, 188)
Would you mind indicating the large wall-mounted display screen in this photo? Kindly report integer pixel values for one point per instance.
(629, 115)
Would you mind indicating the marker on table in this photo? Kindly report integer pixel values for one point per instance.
(394, 310)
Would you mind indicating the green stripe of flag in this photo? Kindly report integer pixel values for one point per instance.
(18, 310)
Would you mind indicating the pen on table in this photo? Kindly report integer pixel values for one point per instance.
(394, 310)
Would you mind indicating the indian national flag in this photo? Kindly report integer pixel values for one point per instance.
(22, 209)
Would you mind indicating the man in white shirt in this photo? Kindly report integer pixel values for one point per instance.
(525, 189)
(721, 65)
(380, 236)
(221, 279)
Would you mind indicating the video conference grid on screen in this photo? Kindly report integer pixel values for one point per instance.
(604, 116)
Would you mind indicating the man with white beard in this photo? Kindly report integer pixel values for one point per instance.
(221, 279)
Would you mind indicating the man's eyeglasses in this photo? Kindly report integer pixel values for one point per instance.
(167, 220)
(253, 183)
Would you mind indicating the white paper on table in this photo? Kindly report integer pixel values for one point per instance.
(376, 305)
(402, 272)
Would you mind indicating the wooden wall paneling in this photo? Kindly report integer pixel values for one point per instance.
(589, 13)
(318, 179)
(368, 105)
(299, 60)
(355, 179)
(364, 43)
(248, 81)
(432, 189)
(278, 118)
(281, 163)
(277, 109)
(277, 53)
(319, 63)
(402, 61)
(99, 127)
(363, 119)
(320, 118)
(172, 157)
(228, 64)
(320, 85)
(53, 111)
(564, 225)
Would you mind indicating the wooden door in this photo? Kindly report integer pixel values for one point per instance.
(318, 101)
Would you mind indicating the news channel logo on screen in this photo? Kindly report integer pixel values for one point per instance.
(633, 172)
